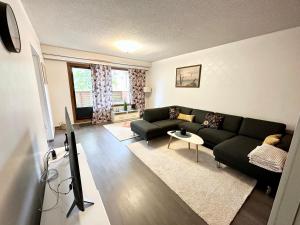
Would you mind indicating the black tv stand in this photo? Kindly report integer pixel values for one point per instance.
(74, 204)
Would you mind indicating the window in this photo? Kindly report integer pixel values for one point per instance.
(82, 87)
(120, 86)
(80, 80)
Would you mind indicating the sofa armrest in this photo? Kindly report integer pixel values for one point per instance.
(156, 114)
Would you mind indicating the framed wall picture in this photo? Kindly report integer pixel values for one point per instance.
(188, 76)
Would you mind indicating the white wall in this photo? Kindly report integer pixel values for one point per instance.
(22, 135)
(257, 77)
(57, 74)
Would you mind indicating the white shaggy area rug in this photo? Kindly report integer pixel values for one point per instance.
(215, 194)
(120, 130)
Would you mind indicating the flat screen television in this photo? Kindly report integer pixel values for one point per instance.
(70, 143)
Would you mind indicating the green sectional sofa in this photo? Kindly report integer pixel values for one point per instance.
(231, 143)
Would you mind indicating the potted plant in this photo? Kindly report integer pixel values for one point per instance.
(125, 106)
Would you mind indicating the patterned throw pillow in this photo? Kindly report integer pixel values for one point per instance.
(213, 120)
(174, 112)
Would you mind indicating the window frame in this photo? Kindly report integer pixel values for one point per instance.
(70, 66)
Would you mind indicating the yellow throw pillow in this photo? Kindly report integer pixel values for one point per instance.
(186, 117)
(272, 139)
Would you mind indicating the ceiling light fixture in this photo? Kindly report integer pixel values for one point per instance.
(127, 46)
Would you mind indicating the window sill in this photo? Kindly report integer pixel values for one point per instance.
(119, 104)
(125, 112)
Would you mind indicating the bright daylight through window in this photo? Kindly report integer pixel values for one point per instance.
(120, 86)
(82, 87)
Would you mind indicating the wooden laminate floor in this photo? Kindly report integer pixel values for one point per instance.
(133, 195)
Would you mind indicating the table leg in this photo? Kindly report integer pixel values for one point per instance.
(170, 141)
(197, 152)
(189, 145)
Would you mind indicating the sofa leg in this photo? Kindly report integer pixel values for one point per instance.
(269, 190)
(218, 164)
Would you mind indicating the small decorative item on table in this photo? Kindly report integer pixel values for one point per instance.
(125, 106)
(183, 131)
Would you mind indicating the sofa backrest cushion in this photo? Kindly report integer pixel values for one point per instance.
(260, 129)
(155, 114)
(231, 123)
(285, 142)
(199, 115)
(184, 110)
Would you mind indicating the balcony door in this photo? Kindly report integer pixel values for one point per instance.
(80, 79)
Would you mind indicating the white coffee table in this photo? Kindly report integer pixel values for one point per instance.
(189, 138)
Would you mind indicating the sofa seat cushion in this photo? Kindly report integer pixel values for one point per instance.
(191, 127)
(213, 136)
(234, 153)
(145, 129)
(167, 125)
(236, 149)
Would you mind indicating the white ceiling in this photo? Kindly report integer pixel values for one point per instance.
(164, 28)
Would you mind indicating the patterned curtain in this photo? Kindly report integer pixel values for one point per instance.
(102, 93)
(137, 79)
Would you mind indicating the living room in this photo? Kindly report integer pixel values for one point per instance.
(150, 112)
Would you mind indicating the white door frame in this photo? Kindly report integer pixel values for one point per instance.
(43, 94)
(285, 209)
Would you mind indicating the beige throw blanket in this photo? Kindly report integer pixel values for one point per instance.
(268, 157)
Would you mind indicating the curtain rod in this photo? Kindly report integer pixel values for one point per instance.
(88, 59)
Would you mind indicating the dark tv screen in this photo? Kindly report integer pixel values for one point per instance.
(74, 165)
